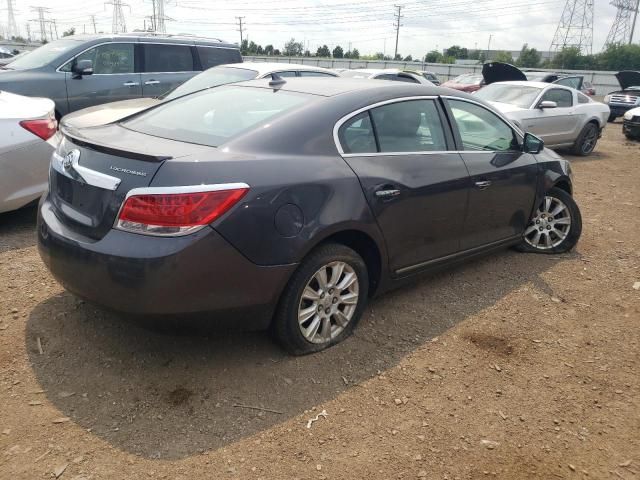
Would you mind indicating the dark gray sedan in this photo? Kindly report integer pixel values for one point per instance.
(290, 204)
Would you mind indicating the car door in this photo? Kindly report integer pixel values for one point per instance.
(503, 178)
(114, 76)
(416, 187)
(574, 81)
(556, 126)
(165, 66)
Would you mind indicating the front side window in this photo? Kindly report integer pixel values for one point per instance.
(563, 98)
(481, 129)
(167, 58)
(212, 56)
(110, 58)
(409, 126)
(213, 116)
(356, 135)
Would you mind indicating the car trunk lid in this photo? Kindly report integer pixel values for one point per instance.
(90, 178)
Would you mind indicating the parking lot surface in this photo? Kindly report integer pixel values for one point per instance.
(511, 366)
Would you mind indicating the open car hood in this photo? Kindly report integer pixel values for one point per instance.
(628, 78)
(501, 72)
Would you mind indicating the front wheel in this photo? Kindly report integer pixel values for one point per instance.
(323, 301)
(556, 225)
(586, 142)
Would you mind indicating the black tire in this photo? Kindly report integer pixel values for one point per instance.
(286, 327)
(612, 118)
(587, 140)
(572, 235)
(631, 137)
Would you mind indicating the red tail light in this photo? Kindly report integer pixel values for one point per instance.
(45, 128)
(178, 210)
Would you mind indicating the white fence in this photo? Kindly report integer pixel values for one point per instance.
(603, 82)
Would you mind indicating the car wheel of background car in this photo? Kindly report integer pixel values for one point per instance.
(323, 301)
(586, 142)
(631, 137)
(611, 118)
(556, 225)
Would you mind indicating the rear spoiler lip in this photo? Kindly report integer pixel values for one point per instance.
(78, 139)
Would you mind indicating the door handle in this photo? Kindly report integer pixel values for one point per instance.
(152, 82)
(387, 193)
(483, 184)
(131, 84)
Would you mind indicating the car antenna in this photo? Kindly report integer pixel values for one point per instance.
(276, 80)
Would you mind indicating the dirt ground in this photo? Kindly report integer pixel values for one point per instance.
(513, 366)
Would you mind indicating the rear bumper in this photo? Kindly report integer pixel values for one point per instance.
(631, 128)
(148, 275)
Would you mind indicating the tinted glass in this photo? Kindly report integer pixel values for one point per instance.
(411, 126)
(304, 73)
(356, 135)
(286, 74)
(212, 56)
(45, 54)
(518, 95)
(213, 116)
(167, 58)
(110, 58)
(481, 129)
(386, 76)
(573, 82)
(405, 78)
(212, 78)
(563, 98)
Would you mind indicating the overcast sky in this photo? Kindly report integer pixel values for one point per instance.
(366, 24)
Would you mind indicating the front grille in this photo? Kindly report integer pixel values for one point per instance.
(624, 99)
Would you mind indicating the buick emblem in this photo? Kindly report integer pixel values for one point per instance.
(70, 158)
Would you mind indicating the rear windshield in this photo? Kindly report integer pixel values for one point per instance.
(517, 95)
(211, 78)
(44, 55)
(213, 116)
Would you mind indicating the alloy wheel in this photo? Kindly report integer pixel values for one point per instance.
(590, 139)
(550, 225)
(328, 302)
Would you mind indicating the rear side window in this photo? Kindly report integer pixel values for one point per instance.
(213, 56)
(110, 58)
(167, 58)
(582, 98)
(213, 116)
(286, 74)
(356, 135)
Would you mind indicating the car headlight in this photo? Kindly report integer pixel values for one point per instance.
(607, 98)
(628, 115)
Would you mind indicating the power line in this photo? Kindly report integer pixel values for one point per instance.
(397, 24)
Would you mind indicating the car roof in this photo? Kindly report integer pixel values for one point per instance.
(268, 67)
(150, 36)
(340, 85)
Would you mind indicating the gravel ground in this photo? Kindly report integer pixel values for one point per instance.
(512, 366)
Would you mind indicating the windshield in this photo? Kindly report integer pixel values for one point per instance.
(518, 95)
(467, 79)
(211, 117)
(43, 55)
(211, 78)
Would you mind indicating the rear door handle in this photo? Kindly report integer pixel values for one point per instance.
(152, 82)
(390, 193)
(131, 84)
(483, 184)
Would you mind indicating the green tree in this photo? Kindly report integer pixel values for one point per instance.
(277, 52)
(244, 47)
(529, 57)
(504, 57)
(408, 58)
(433, 56)
(252, 48)
(398, 56)
(293, 48)
(323, 51)
(307, 53)
(338, 52)
(619, 57)
(260, 50)
(568, 57)
(355, 53)
(268, 49)
(69, 32)
(379, 56)
(457, 52)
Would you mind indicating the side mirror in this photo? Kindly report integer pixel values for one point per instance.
(532, 144)
(548, 104)
(83, 67)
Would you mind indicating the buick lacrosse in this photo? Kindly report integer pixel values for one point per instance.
(288, 204)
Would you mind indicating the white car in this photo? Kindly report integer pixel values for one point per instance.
(386, 74)
(29, 128)
(559, 115)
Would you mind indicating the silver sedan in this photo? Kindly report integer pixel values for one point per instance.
(561, 116)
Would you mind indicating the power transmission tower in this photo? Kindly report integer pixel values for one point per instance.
(575, 28)
(624, 24)
(93, 21)
(55, 27)
(12, 27)
(397, 25)
(118, 24)
(240, 29)
(28, 32)
(41, 21)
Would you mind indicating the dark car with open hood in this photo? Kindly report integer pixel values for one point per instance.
(627, 97)
(288, 204)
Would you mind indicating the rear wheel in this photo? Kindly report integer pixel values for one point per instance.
(586, 142)
(556, 225)
(323, 301)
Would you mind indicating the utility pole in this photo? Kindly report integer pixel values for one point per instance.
(12, 26)
(240, 29)
(397, 25)
(55, 27)
(489, 46)
(28, 32)
(160, 18)
(41, 21)
(93, 21)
